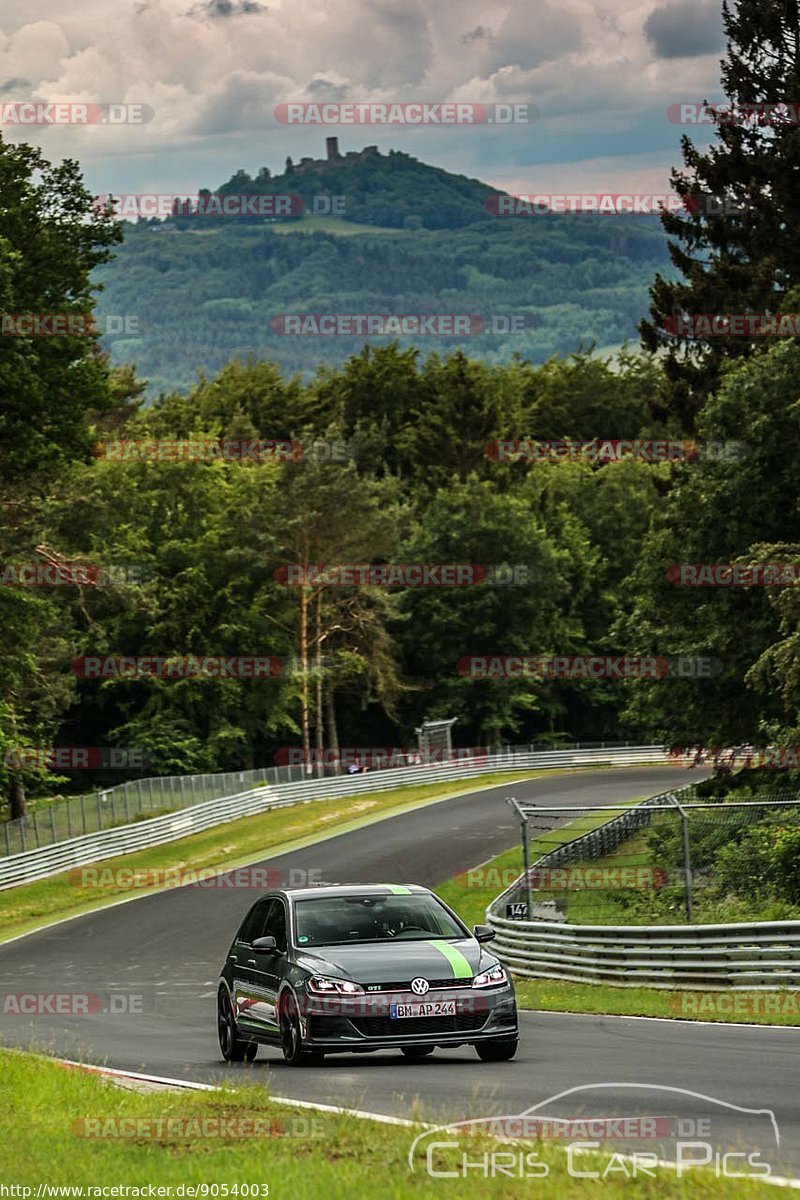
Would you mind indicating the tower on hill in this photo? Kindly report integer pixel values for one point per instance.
(332, 145)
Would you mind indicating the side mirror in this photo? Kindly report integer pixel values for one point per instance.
(265, 944)
(484, 933)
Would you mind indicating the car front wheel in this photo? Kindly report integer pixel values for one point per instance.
(292, 1039)
(500, 1050)
(234, 1048)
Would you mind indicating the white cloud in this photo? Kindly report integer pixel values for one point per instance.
(214, 70)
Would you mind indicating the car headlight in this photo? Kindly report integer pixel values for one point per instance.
(491, 978)
(323, 985)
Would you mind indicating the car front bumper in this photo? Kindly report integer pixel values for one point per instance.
(366, 1023)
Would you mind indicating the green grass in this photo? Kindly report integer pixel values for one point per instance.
(555, 995)
(235, 843)
(46, 1108)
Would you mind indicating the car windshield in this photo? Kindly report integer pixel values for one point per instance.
(340, 920)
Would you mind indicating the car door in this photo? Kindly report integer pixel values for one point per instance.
(243, 961)
(263, 971)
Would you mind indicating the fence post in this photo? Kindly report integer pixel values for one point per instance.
(526, 862)
(53, 823)
(687, 865)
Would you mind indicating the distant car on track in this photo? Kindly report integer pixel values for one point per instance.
(343, 969)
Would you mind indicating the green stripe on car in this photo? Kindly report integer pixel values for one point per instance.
(458, 963)
(397, 889)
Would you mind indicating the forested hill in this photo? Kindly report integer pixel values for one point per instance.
(393, 190)
(194, 292)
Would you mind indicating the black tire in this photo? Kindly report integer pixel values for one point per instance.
(294, 1055)
(501, 1050)
(233, 1047)
(416, 1053)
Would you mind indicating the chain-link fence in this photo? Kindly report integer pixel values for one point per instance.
(673, 859)
(142, 798)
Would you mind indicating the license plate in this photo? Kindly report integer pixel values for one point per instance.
(429, 1008)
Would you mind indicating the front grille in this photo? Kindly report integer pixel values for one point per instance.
(386, 1027)
(404, 985)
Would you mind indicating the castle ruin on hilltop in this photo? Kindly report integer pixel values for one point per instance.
(333, 156)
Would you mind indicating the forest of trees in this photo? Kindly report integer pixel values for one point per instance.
(198, 298)
(205, 542)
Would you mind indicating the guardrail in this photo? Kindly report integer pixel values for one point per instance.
(124, 839)
(139, 799)
(757, 956)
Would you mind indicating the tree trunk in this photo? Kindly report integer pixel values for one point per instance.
(333, 732)
(19, 804)
(319, 712)
(304, 678)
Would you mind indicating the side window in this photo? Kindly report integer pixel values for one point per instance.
(253, 924)
(275, 924)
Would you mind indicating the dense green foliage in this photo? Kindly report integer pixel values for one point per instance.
(594, 546)
(201, 297)
(736, 248)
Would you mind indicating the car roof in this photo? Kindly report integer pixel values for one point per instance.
(354, 889)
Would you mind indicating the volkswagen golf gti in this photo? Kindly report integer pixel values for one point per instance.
(343, 969)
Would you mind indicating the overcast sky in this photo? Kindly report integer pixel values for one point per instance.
(602, 74)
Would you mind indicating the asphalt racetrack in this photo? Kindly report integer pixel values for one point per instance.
(167, 950)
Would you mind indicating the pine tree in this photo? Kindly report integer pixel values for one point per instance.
(735, 242)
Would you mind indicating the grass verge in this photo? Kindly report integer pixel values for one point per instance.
(49, 1110)
(233, 844)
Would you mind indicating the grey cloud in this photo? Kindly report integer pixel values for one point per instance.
(327, 89)
(479, 34)
(227, 8)
(685, 28)
(14, 85)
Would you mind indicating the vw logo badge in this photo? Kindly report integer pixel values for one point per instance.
(419, 986)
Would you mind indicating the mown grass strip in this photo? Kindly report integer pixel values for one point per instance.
(169, 1139)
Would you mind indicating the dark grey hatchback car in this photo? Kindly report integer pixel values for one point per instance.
(326, 970)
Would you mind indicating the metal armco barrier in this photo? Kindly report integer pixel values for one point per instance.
(757, 955)
(765, 954)
(124, 839)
